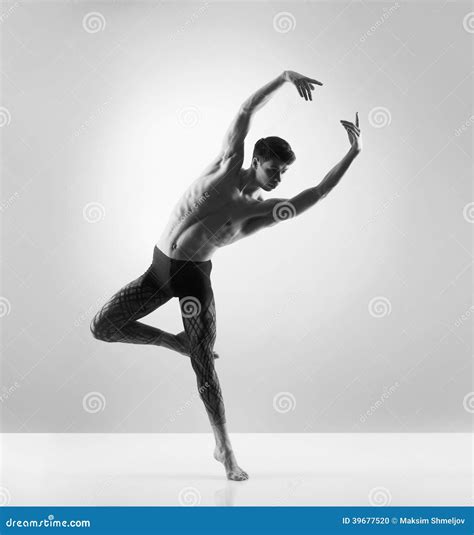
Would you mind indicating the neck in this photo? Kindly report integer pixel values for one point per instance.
(248, 183)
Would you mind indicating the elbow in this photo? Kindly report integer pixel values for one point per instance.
(247, 108)
(320, 192)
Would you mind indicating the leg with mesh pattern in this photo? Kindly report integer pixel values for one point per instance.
(199, 320)
(117, 320)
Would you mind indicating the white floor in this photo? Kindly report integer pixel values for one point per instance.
(284, 469)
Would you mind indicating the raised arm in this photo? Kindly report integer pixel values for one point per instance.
(311, 196)
(273, 211)
(240, 125)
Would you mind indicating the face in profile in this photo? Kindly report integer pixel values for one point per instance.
(268, 173)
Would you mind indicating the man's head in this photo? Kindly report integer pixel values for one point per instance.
(271, 157)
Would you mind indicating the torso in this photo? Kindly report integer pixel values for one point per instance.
(209, 215)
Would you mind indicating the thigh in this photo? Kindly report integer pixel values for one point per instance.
(198, 313)
(135, 300)
(192, 284)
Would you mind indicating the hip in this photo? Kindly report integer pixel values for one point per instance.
(180, 277)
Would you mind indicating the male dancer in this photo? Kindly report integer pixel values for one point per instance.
(220, 207)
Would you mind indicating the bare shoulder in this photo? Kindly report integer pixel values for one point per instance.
(224, 170)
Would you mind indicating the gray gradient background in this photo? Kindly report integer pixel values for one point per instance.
(127, 116)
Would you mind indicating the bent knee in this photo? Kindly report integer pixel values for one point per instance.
(96, 329)
(102, 329)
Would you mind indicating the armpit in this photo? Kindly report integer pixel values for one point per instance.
(255, 224)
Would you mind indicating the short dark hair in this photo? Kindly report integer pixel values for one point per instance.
(275, 147)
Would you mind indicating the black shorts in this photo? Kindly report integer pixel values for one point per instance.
(181, 278)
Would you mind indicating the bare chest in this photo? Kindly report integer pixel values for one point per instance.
(225, 226)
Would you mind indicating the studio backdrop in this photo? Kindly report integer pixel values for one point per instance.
(354, 317)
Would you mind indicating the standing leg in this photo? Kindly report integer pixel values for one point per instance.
(199, 319)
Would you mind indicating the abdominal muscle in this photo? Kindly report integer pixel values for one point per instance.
(198, 240)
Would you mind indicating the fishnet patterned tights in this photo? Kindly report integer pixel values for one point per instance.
(117, 321)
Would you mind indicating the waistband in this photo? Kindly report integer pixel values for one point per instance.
(158, 253)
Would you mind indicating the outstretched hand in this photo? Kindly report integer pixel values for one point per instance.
(353, 131)
(303, 84)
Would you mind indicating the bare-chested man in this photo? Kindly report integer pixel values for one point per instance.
(220, 207)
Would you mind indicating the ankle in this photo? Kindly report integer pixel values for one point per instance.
(224, 447)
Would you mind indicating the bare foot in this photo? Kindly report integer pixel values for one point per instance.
(232, 469)
(182, 343)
